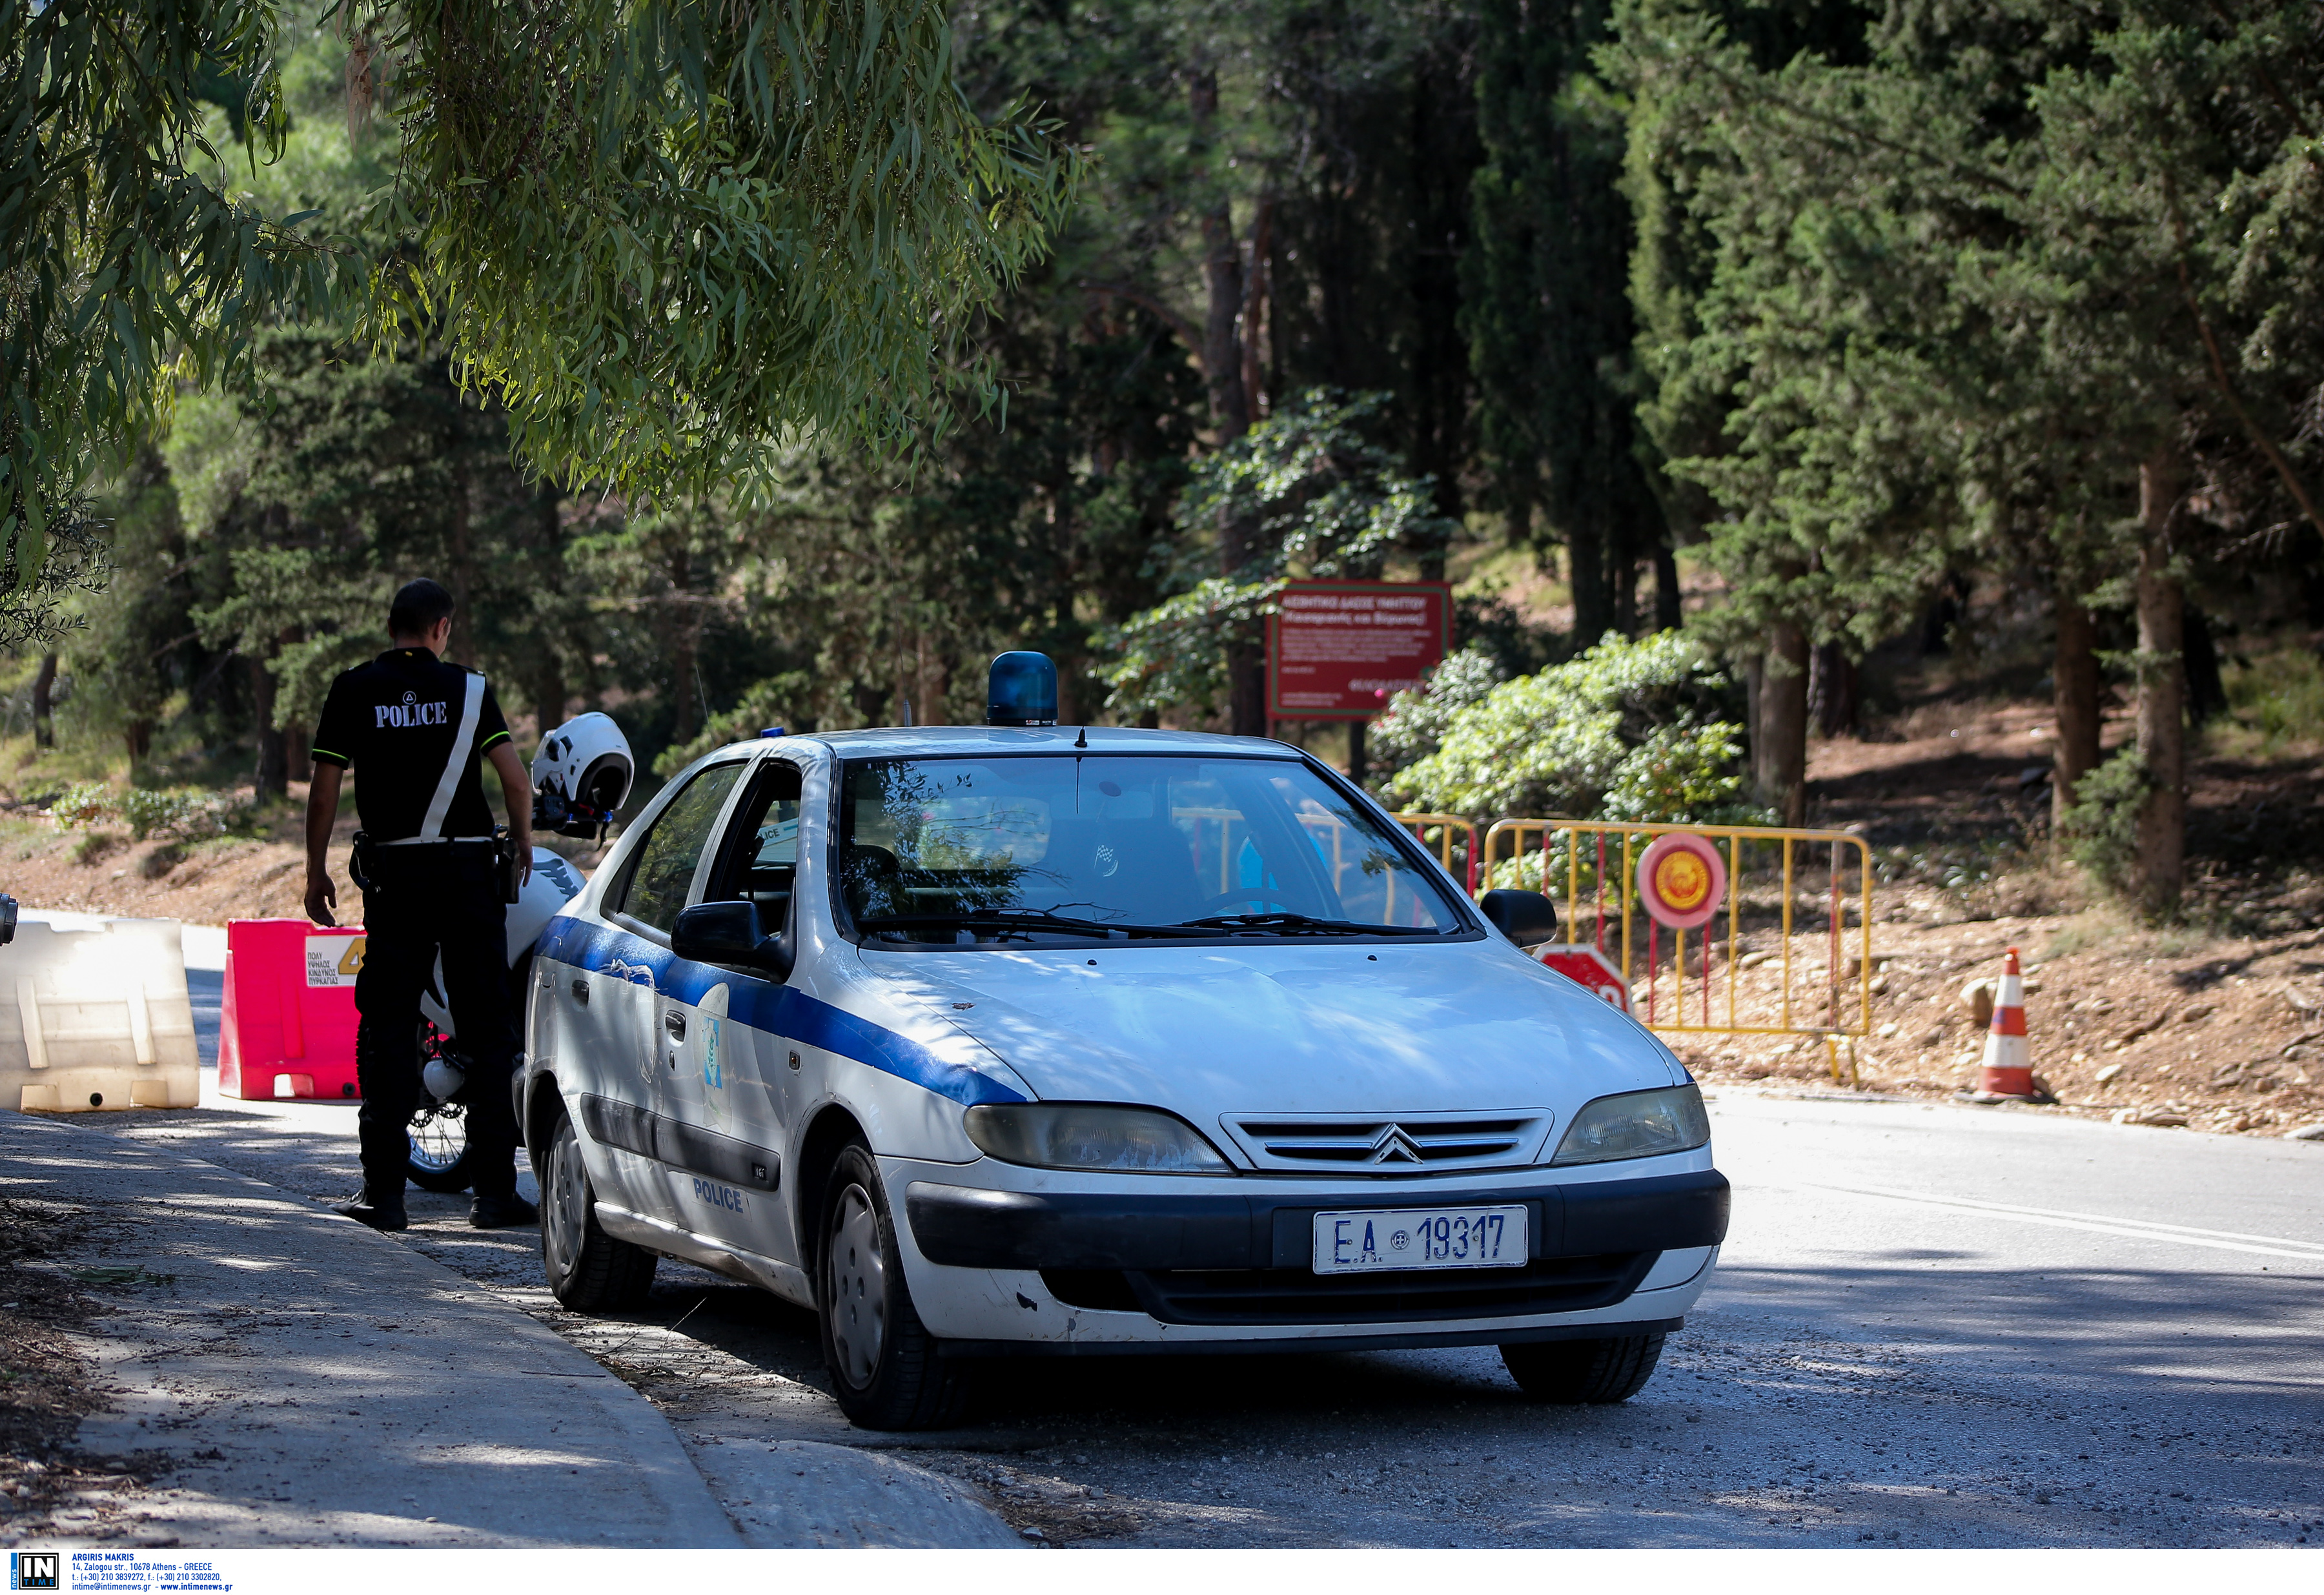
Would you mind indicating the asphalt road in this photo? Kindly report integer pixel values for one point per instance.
(1930, 1326)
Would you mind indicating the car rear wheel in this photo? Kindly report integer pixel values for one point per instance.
(589, 1270)
(1571, 1372)
(884, 1366)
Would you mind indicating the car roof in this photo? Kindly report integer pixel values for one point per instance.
(923, 741)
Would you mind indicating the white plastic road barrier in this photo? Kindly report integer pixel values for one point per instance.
(96, 1018)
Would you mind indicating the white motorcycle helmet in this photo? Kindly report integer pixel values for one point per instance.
(581, 775)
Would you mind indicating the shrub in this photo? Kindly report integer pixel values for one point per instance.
(1626, 731)
(84, 806)
(1415, 722)
(2101, 829)
(776, 701)
(185, 813)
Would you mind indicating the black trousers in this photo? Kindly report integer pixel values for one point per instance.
(423, 900)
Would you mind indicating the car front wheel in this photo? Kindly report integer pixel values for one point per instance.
(884, 1366)
(1573, 1372)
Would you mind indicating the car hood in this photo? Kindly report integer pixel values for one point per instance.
(1287, 1026)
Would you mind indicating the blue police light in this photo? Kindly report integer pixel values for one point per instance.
(771, 731)
(1022, 690)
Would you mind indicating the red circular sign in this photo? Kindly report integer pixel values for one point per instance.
(1682, 880)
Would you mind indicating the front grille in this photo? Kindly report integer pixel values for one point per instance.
(1391, 1144)
(1249, 1297)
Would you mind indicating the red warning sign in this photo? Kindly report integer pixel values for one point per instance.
(1589, 969)
(1339, 651)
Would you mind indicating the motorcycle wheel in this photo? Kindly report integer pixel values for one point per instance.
(439, 1159)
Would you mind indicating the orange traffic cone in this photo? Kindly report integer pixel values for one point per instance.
(2008, 1069)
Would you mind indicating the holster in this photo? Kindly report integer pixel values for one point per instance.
(361, 862)
(508, 862)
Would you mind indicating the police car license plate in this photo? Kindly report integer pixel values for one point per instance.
(1379, 1240)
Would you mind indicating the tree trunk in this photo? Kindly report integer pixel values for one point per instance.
(461, 646)
(1835, 690)
(138, 735)
(682, 653)
(1222, 370)
(1257, 287)
(1356, 770)
(1222, 285)
(1780, 749)
(1670, 613)
(2074, 686)
(548, 691)
(1624, 576)
(1945, 612)
(1585, 570)
(272, 776)
(2207, 692)
(2162, 695)
(44, 686)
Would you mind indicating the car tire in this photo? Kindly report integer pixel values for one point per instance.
(438, 1156)
(589, 1270)
(1573, 1372)
(884, 1364)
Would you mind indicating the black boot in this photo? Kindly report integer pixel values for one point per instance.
(365, 1209)
(502, 1212)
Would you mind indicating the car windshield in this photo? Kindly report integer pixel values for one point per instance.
(958, 852)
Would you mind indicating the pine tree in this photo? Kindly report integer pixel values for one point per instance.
(1547, 312)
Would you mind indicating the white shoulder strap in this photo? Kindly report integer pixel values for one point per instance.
(432, 829)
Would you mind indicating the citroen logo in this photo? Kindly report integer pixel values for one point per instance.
(1393, 1145)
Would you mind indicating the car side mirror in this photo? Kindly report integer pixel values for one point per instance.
(1525, 918)
(730, 933)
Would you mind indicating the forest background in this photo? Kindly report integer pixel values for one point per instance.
(1711, 347)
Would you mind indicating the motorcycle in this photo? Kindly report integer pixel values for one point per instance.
(580, 778)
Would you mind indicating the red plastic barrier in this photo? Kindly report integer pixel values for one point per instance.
(287, 1028)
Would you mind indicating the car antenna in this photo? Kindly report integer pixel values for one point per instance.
(1080, 738)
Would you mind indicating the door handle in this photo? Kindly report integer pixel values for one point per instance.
(674, 1023)
(581, 992)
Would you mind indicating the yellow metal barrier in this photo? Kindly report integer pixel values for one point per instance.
(1444, 825)
(1835, 1021)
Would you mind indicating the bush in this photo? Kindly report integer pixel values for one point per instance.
(184, 814)
(2101, 829)
(772, 702)
(1626, 731)
(84, 806)
(1415, 722)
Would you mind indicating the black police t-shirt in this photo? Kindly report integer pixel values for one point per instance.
(395, 720)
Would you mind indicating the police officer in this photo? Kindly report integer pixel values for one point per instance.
(417, 731)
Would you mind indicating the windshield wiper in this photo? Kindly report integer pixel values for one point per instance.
(1017, 919)
(1286, 921)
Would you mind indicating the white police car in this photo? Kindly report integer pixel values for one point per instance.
(1025, 1039)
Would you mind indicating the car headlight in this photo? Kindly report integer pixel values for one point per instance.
(1637, 1124)
(1091, 1135)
